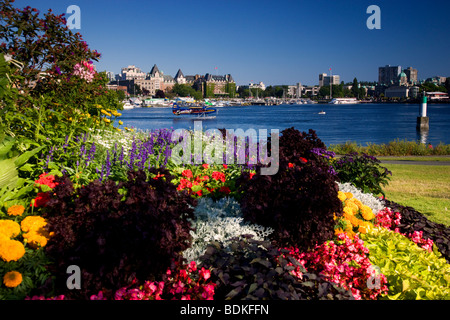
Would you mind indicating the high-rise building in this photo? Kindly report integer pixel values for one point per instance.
(411, 74)
(325, 80)
(388, 75)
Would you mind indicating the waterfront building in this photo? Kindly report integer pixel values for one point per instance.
(397, 92)
(219, 85)
(437, 80)
(414, 92)
(131, 72)
(388, 75)
(325, 80)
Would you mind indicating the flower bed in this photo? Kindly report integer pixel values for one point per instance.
(76, 191)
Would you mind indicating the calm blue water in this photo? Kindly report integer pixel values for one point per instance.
(362, 123)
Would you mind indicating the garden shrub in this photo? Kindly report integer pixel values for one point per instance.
(116, 232)
(363, 171)
(413, 273)
(257, 270)
(412, 220)
(300, 201)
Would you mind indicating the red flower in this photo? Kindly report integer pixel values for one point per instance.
(199, 193)
(216, 175)
(48, 181)
(187, 173)
(41, 199)
(225, 190)
(225, 166)
(291, 165)
(252, 174)
(303, 160)
(205, 166)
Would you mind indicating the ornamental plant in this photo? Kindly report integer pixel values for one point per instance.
(219, 221)
(186, 282)
(344, 262)
(300, 201)
(412, 220)
(363, 171)
(117, 231)
(413, 273)
(357, 217)
(257, 270)
(215, 181)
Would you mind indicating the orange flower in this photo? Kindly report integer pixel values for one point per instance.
(9, 228)
(11, 250)
(32, 223)
(12, 279)
(16, 210)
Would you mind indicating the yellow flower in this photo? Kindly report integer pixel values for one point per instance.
(367, 213)
(11, 250)
(348, 212)
(16, 210)
(352, 207)
(32, 223)
(341, 196)
(356, 201)
(120, 123)
(9, 228)
(105, 112)
(12, 279)
(106, 120)
(349, 195)
(338, 231)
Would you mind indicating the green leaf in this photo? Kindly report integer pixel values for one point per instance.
(24, 157)
(8, 173)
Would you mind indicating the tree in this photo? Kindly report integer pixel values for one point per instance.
(159, 94)
(45, 45)
(355, 89)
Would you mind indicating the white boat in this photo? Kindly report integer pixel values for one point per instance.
(344, 101)
(128, 105)
(322, 112)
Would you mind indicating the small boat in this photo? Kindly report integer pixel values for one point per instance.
(322, 112)
(128, 105)
(202, 111)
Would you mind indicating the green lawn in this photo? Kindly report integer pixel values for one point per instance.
(425, 188)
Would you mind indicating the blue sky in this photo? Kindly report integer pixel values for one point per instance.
(277, 42)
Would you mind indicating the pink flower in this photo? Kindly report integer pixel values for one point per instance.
(205, 274)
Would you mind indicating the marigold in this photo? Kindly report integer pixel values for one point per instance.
(35, 239)
(348, 212)
(349, 195)
(32, 223)
(341, 196)
(367, 213)
(11, 250)
(356, 201)
(12, 279)
(352, 206)
(9, 228)
(16, 210)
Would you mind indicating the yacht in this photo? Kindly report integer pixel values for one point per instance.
(344, 101)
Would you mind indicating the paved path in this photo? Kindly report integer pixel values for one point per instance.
(419, 163)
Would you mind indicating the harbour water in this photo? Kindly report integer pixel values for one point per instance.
(360, 123)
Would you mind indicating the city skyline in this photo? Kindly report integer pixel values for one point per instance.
(283, 42)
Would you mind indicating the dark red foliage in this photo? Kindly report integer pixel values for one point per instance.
(299, 201)
(117, 232)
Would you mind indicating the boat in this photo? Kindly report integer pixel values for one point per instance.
(202, 111)
(344, 101)
(322, 112)
(127, 105)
